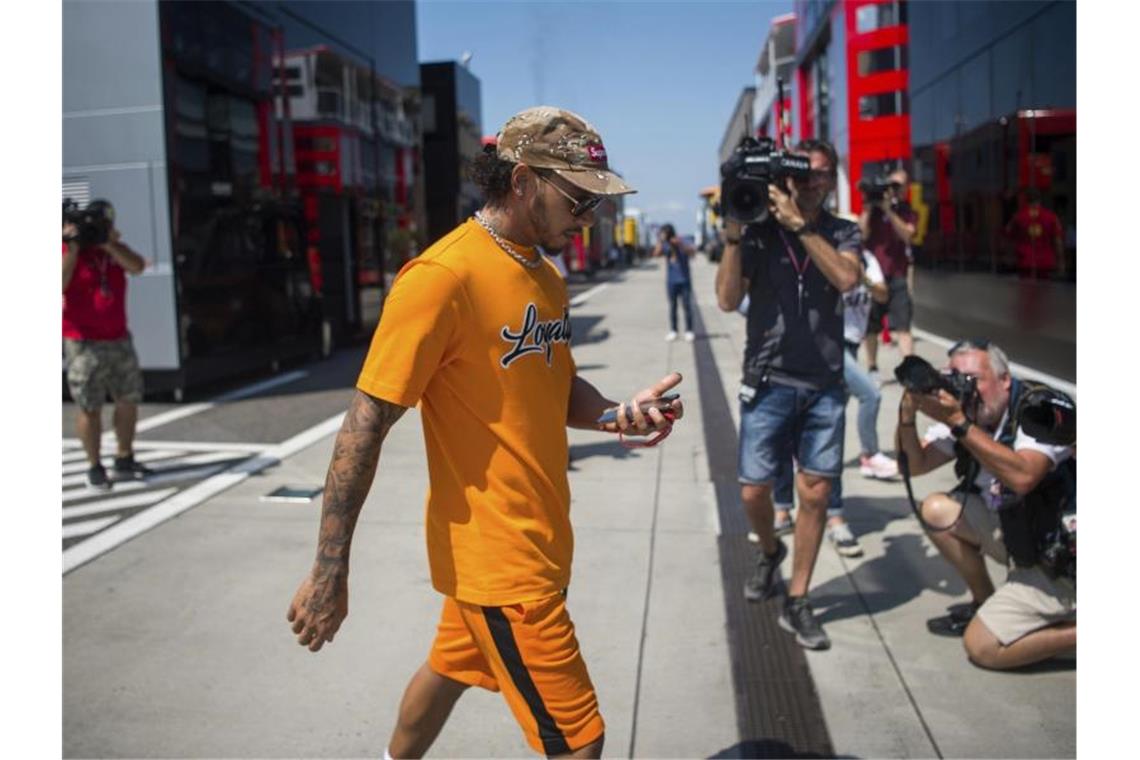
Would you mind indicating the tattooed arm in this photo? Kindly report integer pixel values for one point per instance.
(321, 603)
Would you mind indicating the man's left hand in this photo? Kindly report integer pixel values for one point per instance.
(631, 420)
(782, 204)
(940, 406)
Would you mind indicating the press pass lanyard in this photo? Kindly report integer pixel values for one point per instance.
(800, 271)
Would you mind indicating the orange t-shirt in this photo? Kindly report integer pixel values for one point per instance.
(483, 344)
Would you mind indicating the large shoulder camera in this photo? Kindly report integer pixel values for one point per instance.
(93, 224)
(919, 376)
(745, 177)
(874, 188)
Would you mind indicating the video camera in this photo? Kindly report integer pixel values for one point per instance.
(919, 376)
(93, 224)
(874, 188)
(745, 176)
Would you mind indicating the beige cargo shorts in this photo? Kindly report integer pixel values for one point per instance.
(97, 369)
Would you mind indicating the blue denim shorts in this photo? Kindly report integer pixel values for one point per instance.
(782, 420)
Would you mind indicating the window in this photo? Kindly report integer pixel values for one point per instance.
(883, 59)
(883, 104)
(328, 103)
(292, 72)
(877, 16)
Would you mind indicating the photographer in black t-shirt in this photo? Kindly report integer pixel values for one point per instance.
(793, 267)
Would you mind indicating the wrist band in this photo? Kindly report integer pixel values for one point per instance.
(732, 241)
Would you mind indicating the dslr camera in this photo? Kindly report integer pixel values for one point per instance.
(93, 224)
(919, 376)
(874, 188)
(745, 176)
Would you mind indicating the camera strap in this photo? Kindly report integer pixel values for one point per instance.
(904, 469)
(800, 271)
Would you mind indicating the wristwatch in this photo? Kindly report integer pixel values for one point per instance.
(959, 431)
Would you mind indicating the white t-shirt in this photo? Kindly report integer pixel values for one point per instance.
(857, 301)
(938, 435)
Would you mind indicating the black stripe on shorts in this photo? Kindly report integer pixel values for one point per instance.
(553, 742)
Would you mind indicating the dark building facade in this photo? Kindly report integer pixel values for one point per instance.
(179, 113)
(452, 118)
(993, 117)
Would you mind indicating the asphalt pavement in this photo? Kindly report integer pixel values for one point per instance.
(175, 640)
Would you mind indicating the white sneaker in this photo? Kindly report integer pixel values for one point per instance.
(671, 335)
(878, 466)
(689, 336)
(844, 540)
(753, 537)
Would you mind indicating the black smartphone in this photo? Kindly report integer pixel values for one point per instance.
(662, 402)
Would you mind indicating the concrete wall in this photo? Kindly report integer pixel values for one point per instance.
(114, 144)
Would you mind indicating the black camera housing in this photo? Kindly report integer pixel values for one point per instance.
(93, 224)
(919, 376)
(874, 188)
(745, 177)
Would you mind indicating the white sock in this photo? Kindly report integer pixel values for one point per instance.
(387, 756)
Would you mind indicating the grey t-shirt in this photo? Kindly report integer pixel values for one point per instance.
(795, 335)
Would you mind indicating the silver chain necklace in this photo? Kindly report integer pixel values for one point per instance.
(507, 247)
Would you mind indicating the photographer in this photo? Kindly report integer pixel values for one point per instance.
(678, 280)
(793, 267)
(887, 224)
(101, 358)
(1013, 485)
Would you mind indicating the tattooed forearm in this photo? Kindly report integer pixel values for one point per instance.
(353, 466)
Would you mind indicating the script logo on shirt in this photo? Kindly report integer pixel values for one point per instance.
(535, 336)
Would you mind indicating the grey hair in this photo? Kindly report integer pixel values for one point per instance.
(999, 362)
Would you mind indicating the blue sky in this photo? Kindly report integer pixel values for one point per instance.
(658, 79)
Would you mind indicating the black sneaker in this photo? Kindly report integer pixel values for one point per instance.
(759, 585)
(97, 478)
(799, 619)
(955, 623)
(126, 468)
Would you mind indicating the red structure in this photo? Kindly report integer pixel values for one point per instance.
(851, 83)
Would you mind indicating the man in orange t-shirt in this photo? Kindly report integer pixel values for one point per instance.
(476, 330)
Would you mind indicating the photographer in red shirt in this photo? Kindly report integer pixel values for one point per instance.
(101, 359)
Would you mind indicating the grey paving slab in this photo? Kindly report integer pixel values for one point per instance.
(175, 643)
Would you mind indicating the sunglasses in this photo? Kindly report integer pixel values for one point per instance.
(977, 344)
(578, 206)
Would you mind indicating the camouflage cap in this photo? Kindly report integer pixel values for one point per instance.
(546, 137)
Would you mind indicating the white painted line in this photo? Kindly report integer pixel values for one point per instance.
(80, 553)
(1018, 369)
(75, 456)
(581, 298)
(179, 466)
(123, 502)
(87, 527)
(190, 473)
(244, 448)
(143, 456)
(190, 409)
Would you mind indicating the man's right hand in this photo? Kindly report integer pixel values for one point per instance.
(732, 229)
(319, 607)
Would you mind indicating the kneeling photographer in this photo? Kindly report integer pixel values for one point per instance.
(1012, 442)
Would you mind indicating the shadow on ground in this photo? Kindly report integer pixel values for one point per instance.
(765, 748)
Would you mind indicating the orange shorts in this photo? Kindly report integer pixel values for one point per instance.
(529, 652)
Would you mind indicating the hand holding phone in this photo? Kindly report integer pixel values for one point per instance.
(662, 403)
